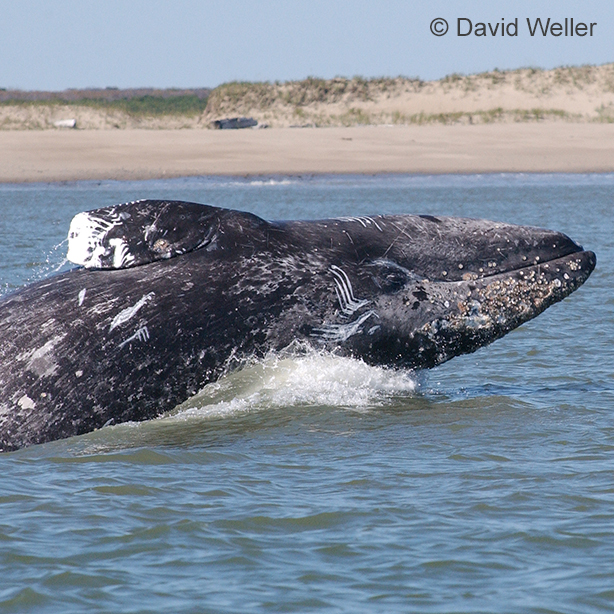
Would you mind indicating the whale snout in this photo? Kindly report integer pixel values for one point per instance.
(474, 249)
(532, 247)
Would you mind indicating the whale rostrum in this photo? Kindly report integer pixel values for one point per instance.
(168, 294)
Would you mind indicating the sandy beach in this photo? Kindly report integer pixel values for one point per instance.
(27, 156)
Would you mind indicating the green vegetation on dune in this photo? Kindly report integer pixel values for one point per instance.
(141, 106)
(484, 117)
(156, 106)
(359, 101)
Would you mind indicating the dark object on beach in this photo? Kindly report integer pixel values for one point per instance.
(234, 123)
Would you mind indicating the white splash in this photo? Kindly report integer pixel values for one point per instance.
(317, 379)
(266, 182)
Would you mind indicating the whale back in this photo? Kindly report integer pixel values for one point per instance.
(142, 232)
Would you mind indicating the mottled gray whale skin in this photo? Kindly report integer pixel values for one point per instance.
(170, 294)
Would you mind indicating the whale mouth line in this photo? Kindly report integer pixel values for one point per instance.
(564, 258)
(544, 264)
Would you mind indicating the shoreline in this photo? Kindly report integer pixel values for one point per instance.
(73, 155)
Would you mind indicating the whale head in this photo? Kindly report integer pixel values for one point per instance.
(423, 289)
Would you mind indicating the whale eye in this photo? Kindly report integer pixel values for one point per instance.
(394, 281)
(390, 277)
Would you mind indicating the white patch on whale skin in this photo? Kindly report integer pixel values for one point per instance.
(42, 361)
(86, 237)
(126, 314)
(121, 255)
(82, 296)
(25, 402)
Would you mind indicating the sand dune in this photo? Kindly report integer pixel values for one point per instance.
(569, 94)
(576, 94)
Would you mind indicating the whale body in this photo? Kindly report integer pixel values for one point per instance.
(169, 294)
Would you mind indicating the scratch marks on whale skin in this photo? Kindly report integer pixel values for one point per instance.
(349, 305)
(126, 314)
(142, 334)
(342, 332)
(81, 296)
(365, 221)
(345, 294)
(267, 276)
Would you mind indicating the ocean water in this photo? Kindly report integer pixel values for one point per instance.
(320, 484)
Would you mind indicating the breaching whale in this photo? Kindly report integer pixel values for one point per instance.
(169, 293)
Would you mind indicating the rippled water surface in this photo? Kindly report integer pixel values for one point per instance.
(319, 484)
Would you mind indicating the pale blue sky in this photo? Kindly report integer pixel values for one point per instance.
(59, 44)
